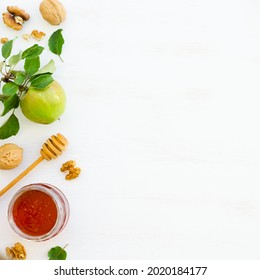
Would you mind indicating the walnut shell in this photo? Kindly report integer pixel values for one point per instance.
(52, 11)
(11, 156)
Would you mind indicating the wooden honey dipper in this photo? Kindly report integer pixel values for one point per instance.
(51, 149)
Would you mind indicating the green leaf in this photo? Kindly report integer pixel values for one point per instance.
(10, 88)
(11, 103)
(13, 60)
(48, 68)
(32, 65)
(10, 127)
(57, 253)
(7, 49)
(32, 52)
(42, 81)
(19, 78)
(56, 42)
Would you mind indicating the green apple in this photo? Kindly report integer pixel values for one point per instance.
(44, 105)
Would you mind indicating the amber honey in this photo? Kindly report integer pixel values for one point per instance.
(38, 212)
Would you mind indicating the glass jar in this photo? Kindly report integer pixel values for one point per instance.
(38, 212)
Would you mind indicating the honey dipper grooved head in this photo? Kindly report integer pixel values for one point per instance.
(54, 146)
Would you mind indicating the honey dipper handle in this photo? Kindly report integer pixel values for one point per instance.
(19, 177)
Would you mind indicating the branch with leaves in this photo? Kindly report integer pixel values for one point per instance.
(15, 83)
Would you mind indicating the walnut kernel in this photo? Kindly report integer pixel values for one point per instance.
(17, 252)
(70, 168)
(38, 35)
(4, 40)
(15, 17)
(17, 12)
(9, 21)
(74, 173)
(26, 36)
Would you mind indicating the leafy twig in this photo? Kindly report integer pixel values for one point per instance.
(17, 82)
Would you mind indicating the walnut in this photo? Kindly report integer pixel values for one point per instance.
(26, 36)
(4, 40)
(11, 156)
(17, 12)
(68, 165)
(71, 169)
(15, 17)
(17, 252)
(53, 11)
(38, 35)
(9, 21)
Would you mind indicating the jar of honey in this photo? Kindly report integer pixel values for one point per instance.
(38, 212)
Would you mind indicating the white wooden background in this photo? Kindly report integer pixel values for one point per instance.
(163, 119)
